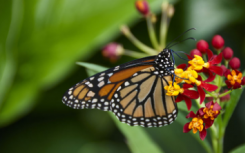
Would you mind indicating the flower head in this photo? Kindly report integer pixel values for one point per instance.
(218, 42)
(209, 113)
(204, 85)
(197, 63)
(187, 95)
(190, 76)
(173, 89)
(196, 124)
(112, 51)
(178, 72)
(234, 79)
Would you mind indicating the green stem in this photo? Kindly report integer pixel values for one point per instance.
(152, 33)
(125, 30)
(214, 138)
(211, 94)
(163, 27)
(134, 54)
(225, 93)
(226, 63)
(204, 57)
(198, 104)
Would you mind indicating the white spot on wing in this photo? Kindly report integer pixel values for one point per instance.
(101, 84)
(100, 79)
(110, 74)
(126, 83)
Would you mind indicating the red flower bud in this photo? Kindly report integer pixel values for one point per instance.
(226, 97)
(112, 51)
(202, 46)
(142, 6)
(227, 53)
(195, 52)
(218, 42)
(235, 63)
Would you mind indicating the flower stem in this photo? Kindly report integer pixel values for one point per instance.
(223, 94)
(164, 25)
(152, 33)
(134, 54)
(211, 94)
(214, 138)
(220, 134)
(125, 30)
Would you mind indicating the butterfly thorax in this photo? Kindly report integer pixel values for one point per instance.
(163, 63)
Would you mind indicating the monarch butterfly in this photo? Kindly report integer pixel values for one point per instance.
(133, 91)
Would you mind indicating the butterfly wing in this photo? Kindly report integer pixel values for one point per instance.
(134, 92)
(97, 90)
(141, 100)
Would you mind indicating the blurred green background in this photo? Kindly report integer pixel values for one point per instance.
(40, 41)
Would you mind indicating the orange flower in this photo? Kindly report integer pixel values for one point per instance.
(234, 79)
(196, 124)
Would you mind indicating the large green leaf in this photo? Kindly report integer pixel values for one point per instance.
(41, 40)
(240, 149)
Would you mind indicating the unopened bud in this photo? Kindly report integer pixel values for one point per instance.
(202, 46)
(112, 51)
(227, 53)
(218, 42)
(195, 52)
(143, 7)
(235, 63)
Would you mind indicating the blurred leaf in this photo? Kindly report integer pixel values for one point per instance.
(48, 36)
(240, 149)
(138, 140)
(231, 104)
(103, 147)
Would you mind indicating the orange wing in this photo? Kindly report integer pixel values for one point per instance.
(141, 100)
(97, 91)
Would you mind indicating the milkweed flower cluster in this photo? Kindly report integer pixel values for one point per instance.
(190, 76)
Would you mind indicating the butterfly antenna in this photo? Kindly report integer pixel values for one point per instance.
(179, 36)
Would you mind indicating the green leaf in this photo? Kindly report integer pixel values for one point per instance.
(231, 104)
(138, 139)
(240, 149)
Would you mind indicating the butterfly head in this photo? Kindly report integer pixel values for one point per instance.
(163, 63)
